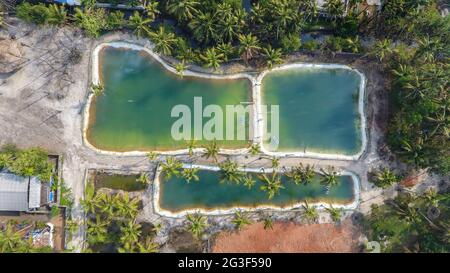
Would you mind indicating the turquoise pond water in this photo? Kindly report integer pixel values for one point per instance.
(176, 194)
(318, 110)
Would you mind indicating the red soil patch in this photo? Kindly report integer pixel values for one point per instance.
(291, 238)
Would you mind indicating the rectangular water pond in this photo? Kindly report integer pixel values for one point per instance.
(208, 193)
(318, 110)
(117, 181)
(134, 112)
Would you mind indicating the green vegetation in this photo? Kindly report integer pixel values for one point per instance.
(240, 220)
(27, 162)
(197, 224)
(111, 224)
(384, 178)
(13, 241)
(128, 183)
(411, 223)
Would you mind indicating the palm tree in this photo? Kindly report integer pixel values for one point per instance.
(139, 24)
(255, 149)
(203, 26)
(310, 8)
(248, 181)
(275, 161)
(126, 207)
(151, 8)
(97, 231)
(353, 44)
(2, 15)
(212, 150)
(171, 167)
(334, 213)
(268, 223)
(381, 49)
(212, 58)
(329, 177)
(152, 156)
(10, 240)
(197, 224)
(180, 68)
(183, 10)
(310, 213)
(57, 14)
(97, 89)
(272, 185)
(240, 220)
(89, 203)
(106, 204)
(190, 174)
(272, 56)
(226, 49)
(143, 178)
(130, 233)
(164, 41)
(384, 178)
(191, 147)
(249, 46)
(148, 247)
(229, 172)
(334, 8)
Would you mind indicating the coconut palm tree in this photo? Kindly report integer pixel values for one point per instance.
(171, 167)
(381, 49)
(212, 58)
(353, 44)
(57, 14)
(184, 10)
(152, 156)
(268, 223)
(97, 89)
(164, 40)
(151, 8)
(272, 185)
(190, 174)
(226, 49)
(335, 213)
(255, 149)
(329, 177)
(384, 178)
(148, 246)
(310, 9)
(139, 24)
(248, 47)
(229, 172)
(130, 233)
(240, 220)
(106, 204)
(191, 146)
(10, 240)
(203, 26)
(310, 213)
(248, 181)
(272, 56)
(212, 150)
(143, 178)
(180, 68)
(97, 230)
(197, 224)
(334, 8)
(126, 207)
(275, 161)
(89, 203)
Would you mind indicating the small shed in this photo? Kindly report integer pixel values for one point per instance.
(19, 193)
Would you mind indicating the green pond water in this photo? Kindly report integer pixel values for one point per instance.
(118, 182)
(318, 110)
(134, 113)
(176, 194)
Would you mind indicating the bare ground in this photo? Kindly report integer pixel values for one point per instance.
(290, 238)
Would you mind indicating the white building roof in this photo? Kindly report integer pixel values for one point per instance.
(19, 193)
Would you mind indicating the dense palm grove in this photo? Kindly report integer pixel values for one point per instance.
(408, 39)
